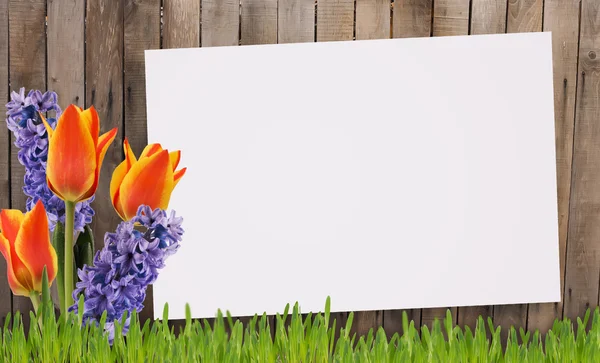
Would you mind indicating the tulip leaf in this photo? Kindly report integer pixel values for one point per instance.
(58, 241)
(46, 304)
(84, 248)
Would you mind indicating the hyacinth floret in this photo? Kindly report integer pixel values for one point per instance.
(129, 261)
(32, 140)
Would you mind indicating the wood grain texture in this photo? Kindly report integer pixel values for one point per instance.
(181, 24)
(220, 22)
(373, 19)
(66, 51)
(583, 249)
(488, 16)
(5, 294)
(258, 22)
(450, 17)
(296, 21)
(335, 20)
(141, 32)
(561, 17)
(392, 320)
(412, 18)
(104, 90)
(27, 61)
(524, 16)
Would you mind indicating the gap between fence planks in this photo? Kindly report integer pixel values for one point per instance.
(5, 294)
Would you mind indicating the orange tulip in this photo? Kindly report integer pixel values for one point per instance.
(25, 244)
(75, 154)
(147, 181)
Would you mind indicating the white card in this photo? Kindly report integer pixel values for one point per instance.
(387, 174)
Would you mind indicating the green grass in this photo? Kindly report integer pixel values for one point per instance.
(308, 339)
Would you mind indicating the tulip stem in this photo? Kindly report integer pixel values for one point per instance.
(69, 221)
(35, 301)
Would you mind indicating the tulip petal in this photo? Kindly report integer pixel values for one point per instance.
(175, 157)
(115, 183)
(90, 116)
(71, 162)
(129, 155)
(177, 176)
(150, 150)
(16, 286)
(54, 190)
(104, 142)
(49, 129)
(33, 246)
(149, 182)
(10, 222)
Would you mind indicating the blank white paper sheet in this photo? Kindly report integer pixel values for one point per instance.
(387, 174)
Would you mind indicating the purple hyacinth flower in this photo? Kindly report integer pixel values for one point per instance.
(31, 139)
(129, 261)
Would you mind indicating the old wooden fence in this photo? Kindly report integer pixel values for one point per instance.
(92, 52)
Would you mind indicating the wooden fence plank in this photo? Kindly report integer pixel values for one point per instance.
(27, 60)
(373, 19)
(5, 294)
(372, 22)
(220, 22)
(181, 24)
(412, 18)
(66, 58)
(141, 32)
(335, 20)
(296, 21)
(583, 249)
(450, 17)
(258, 22)
(104, 90)
(524, 16)
(561, 17)
(66, 54)
(488, 16)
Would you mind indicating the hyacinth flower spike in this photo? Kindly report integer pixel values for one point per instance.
(75, 155)
(149, 180)
(25, 244)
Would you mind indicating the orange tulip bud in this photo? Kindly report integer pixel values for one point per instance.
(25, 244)
(147, 181)
(75, 153)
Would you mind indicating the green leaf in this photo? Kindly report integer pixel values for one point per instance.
(58, 242)
(85, 248)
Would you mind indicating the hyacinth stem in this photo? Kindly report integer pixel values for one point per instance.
(69, 221)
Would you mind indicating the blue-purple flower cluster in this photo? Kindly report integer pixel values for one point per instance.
(32, 140)
(129, 261)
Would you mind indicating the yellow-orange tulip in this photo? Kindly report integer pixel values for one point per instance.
(75, 154)
(147, 181)
(25, 244)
